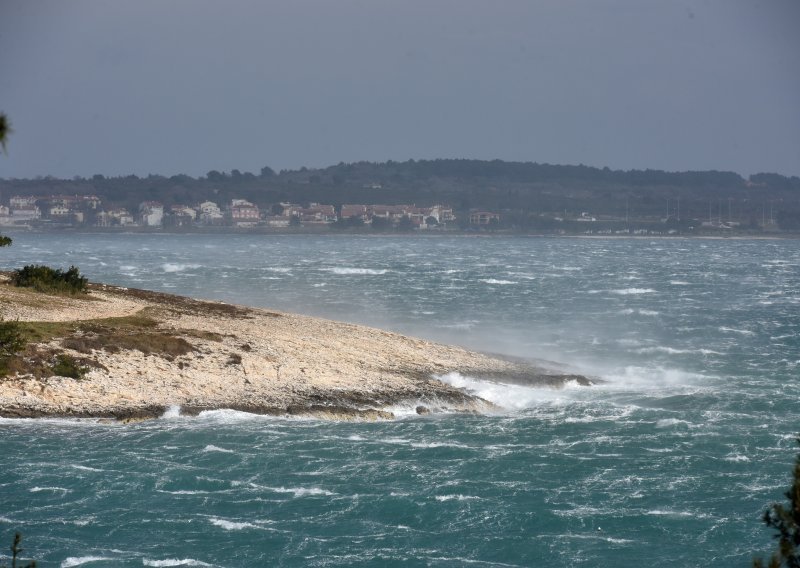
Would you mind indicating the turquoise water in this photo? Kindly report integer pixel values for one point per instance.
(669, 462)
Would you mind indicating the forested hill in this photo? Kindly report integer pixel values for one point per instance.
(515, 188)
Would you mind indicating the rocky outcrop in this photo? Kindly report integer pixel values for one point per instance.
(143, 352)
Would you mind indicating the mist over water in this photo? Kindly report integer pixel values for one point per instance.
(671, 459)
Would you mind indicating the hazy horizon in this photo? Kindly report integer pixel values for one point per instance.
(186, 87)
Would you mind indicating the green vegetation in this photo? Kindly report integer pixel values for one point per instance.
(5, 130)
(11, 343)
(67, 366)
(15, 552)
(49, 280)
(528, 196)
(785, 520)
(22, 352)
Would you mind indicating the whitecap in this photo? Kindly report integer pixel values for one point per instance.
(358, 271)
(739, 331)
(174, 411)
(512, 397)
(667, 422)
(679, 514)
(662, 349)
(38, 489)
(178, 267)
(438, 445)
(302, 491)
(497, 282)
(444, 498)
(736, 458)
(85, 467)
(174, 562)
(79, 560)
(632, 291)
(231, 525)
(213, 448)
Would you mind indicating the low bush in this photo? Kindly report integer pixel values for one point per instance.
(16, 551)
(50, 280)
(67, 366)
(11, 343)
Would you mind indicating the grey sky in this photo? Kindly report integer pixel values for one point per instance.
(167, 87)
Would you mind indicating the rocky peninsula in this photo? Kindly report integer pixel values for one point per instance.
(140, 353)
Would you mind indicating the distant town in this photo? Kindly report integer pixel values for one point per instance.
(60, 211)
(434, 196)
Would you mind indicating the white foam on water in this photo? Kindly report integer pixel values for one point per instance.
(174, 562)
(736, 458)
(443, 498)
(497, 282)
(228, 416)
(667, 422)
(213, 448)
(511, 397)
(739, 331)
(174, 411)
(71, 561)
(632, 291)
(356, 271)
(38, 489)
(438, 445)
(302, 491)
(85, 467)
(231, 525)
(178, 267)
(662, 349)
(676, 514)
(650, 378)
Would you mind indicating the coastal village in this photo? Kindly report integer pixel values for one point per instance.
(89, 211)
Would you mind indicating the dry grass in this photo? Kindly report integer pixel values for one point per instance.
(138, 332)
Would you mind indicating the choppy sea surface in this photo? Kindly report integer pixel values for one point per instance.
(669, 462)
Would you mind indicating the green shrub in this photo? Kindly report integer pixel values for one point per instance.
(11, 343)
(784, 518)
(46, 279)
(67, 366)
(16, 550)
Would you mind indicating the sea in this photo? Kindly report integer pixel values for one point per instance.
(669, 460)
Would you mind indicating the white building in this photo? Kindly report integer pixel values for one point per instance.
(210, 213)
(151, 213)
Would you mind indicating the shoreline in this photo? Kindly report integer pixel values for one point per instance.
(328, 232)
(146, 352)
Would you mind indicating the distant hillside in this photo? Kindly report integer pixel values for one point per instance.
(523, 192)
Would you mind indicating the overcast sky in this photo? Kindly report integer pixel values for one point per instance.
(168, 87)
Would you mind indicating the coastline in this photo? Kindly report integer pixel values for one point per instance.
(326, 231)
(147, 352)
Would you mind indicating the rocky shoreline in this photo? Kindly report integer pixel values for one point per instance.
(145, 352)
